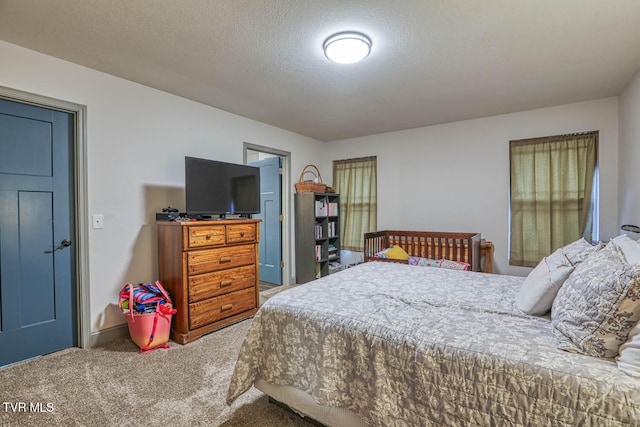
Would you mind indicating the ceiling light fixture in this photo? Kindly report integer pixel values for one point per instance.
(347, 47)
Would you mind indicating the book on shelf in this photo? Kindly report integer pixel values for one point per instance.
(321, 208)
(332, 229)
(318, 252)
(332, 251)
(332, 209)
(334, 267)
(326, 208)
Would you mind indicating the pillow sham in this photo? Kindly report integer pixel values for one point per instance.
(598, 304)
(629, 358)
(454, 265)
(629, 248)
(543, 283)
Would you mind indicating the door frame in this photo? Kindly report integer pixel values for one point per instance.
(287, 278)
(79, 112)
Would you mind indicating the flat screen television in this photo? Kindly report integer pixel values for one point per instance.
(219, 188)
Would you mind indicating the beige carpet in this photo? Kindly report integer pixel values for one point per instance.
(114, 385)
(265, 295)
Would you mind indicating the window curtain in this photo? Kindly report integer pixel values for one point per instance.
(356, 182)
(551, 194)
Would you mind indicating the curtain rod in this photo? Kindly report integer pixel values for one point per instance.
(359, 159)
(551, 137)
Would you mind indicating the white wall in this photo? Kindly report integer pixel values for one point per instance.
(137, 138)
(455, 176)
(630, 154)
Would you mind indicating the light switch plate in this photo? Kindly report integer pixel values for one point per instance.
(98, 221)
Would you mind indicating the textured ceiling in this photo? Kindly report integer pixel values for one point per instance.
(433, 61)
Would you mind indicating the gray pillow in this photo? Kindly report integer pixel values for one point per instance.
(580, 250)
(598, 304)
(541, 285)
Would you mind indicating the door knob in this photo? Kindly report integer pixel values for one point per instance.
(65, 243)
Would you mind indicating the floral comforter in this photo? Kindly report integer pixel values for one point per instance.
(408, 345)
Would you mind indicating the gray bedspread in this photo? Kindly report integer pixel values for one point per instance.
(403, 345)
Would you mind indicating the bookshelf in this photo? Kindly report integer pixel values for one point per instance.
(317, 229)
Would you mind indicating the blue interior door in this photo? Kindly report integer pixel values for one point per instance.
(37, 283)
(270, 247)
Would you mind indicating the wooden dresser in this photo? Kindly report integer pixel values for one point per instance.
(210, 269)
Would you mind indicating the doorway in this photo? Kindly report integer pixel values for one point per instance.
(37, 283)
(44, 242)
(274, 248)
(270, 246)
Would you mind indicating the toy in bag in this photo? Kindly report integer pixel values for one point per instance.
(148, 310)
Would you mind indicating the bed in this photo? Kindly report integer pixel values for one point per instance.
(461, 247)
(384, 344)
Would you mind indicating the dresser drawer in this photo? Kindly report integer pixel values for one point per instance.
(206, 261)
(210, 235)
(241, 233)
(213, 309)
(221, 282)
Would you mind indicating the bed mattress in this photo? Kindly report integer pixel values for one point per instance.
(407, 345)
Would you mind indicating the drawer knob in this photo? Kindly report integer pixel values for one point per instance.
(224, 259)
(226, 283)
(208, 236)
(226, 307)
(242, 234)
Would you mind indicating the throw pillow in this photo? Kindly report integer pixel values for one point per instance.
(382, 253)
(629, 247)
(454, 265)
(579, 250)
(598, 304)
(543, 283)
(424, 262)
(395, 252)
(629, 358)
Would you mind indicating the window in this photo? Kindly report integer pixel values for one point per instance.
(356, 182)
(553, 198)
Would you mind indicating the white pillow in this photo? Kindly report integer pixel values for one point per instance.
(629, 358)
(543, 283)
(629, 247)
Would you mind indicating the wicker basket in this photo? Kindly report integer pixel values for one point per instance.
(310, 186)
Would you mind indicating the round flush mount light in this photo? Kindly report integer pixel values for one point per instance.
(347, 47)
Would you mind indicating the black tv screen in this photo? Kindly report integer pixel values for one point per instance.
(219, 188)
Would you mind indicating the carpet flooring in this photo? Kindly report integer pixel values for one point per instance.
(114, 385)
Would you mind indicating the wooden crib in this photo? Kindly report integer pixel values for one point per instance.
(463, 247)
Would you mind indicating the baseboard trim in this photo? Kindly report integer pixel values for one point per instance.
(109, 334)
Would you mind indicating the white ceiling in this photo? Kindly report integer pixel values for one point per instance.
(433, 61)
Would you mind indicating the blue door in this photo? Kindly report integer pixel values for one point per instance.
(37, 282)
(270, 247)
